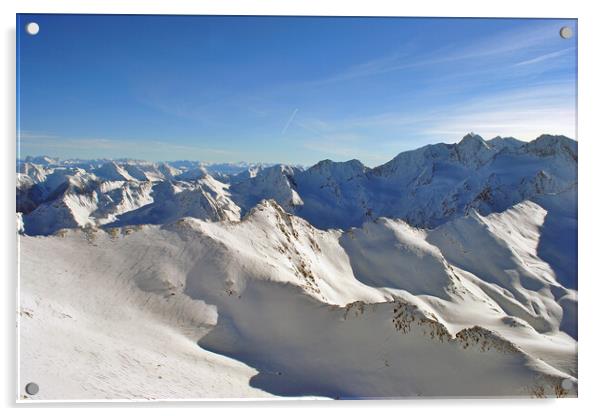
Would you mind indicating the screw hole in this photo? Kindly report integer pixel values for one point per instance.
(32, 388)
(32, 28)
(566, 32)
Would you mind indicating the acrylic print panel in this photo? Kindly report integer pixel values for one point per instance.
(266, 207)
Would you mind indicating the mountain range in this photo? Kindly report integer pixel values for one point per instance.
(450, 270)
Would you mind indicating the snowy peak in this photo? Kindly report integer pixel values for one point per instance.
(168, 171)
(136, 172)
(276, 171)
(36, 172)
(144, 171)
(472, 140)
(338, 170)
(473, 151)
(275, 182)
(499, 143)
(266, 208)
(549, 145)
(406, 165)
(113, 172)
(42, 160)
(194, 173)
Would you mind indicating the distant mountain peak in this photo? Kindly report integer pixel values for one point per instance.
(549, 145)
(42, 160)
(112, 171)
(472, 139)
(473, 150)
(197, 172)
(500, 143)
(328, 167)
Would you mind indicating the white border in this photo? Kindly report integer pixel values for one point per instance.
(590, 151)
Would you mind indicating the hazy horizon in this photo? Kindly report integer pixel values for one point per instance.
(248, 162)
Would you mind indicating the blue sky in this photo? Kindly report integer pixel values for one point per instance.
(286, 89)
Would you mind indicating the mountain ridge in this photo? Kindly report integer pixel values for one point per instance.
(425, 187)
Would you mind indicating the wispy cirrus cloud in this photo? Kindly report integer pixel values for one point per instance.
(545, 57)
(505, 45)
(289, 121)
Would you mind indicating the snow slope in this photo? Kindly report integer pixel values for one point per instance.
(433, 327)
(93, 327)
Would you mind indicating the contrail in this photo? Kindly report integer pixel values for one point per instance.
(290, 120)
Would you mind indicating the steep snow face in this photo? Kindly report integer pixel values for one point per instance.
(37, 173)
(58, 202)
(289, 251)
(25, 198)
(275, 182)
(335, 329)
(194, 173)
(117, 198)
(82, 200)
(508, 241)
(558, 241)
(473, 151)
(204, 198)
(24, 181)
(147, 171)
(334, 194)
(113, 172)
(168, 171)
(390, 253)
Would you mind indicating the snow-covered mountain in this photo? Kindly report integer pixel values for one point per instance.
(425, 187)
(276, 182)
(203, 198)
(428, 186)
(448, 271)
